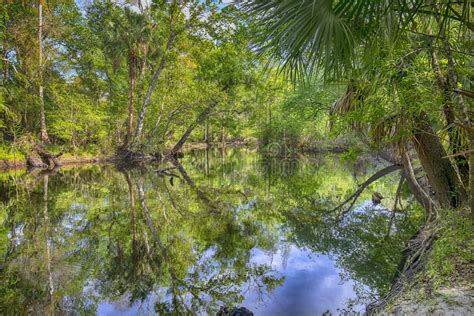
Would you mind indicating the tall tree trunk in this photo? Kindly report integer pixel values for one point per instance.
(44, 133)
(466, 119)
(151, 86)
(440, 172)
(190, 129)
(206, 133)
(449, 114)
(132, 77)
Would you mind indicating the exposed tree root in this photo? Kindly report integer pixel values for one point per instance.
(413, 261)
(39, 157)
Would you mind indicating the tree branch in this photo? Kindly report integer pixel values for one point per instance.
(379, 174)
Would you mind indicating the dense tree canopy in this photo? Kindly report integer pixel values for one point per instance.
(127, 74)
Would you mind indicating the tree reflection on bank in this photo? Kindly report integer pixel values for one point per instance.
(93, 234)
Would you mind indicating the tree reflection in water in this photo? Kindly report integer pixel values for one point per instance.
(185, 242)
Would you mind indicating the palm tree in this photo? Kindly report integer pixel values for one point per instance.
(305, 34)
(337, 37)
(128, 37)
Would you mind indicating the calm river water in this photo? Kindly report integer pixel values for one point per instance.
(234, 228)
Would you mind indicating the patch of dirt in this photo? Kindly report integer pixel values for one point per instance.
(456, 301)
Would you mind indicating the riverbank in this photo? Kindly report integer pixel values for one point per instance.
(9, 161)
(65, 161)
(446, 285)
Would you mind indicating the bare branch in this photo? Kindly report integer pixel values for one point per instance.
(379, 174)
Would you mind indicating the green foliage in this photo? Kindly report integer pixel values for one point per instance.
(453, 252)
(299, 118)
(9, 154)
(91, 52)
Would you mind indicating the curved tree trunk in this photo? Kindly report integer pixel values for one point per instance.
(204, 114)
(441, 174)
(141, 116)
(418, 192)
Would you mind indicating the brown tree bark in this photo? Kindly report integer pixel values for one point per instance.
(132, 77)
(6, 66)
(448, 109)
(204, 114)
(459, 101)
(418, 192)
(440, 172)
(206, 133)
(466, 119)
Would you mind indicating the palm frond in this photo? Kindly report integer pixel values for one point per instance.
(306, 36)
(302, 33)
(347, 103)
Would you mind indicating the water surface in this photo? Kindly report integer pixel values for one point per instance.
(231, 228)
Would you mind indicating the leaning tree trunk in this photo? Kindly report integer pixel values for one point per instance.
(440, 172)
(418, 192)
(141, 116)
(204, 114)
(44, 133)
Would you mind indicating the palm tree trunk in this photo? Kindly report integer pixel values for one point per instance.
(466, 119)
(418, 192)
(132, 77)
(44, 133)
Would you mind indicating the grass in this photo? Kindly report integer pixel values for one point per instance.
(9, 154)
(451, 260)
(449, 264)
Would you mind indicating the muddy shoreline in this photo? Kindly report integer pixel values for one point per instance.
(6, 165)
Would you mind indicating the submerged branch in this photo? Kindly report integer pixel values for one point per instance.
(353, 198)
